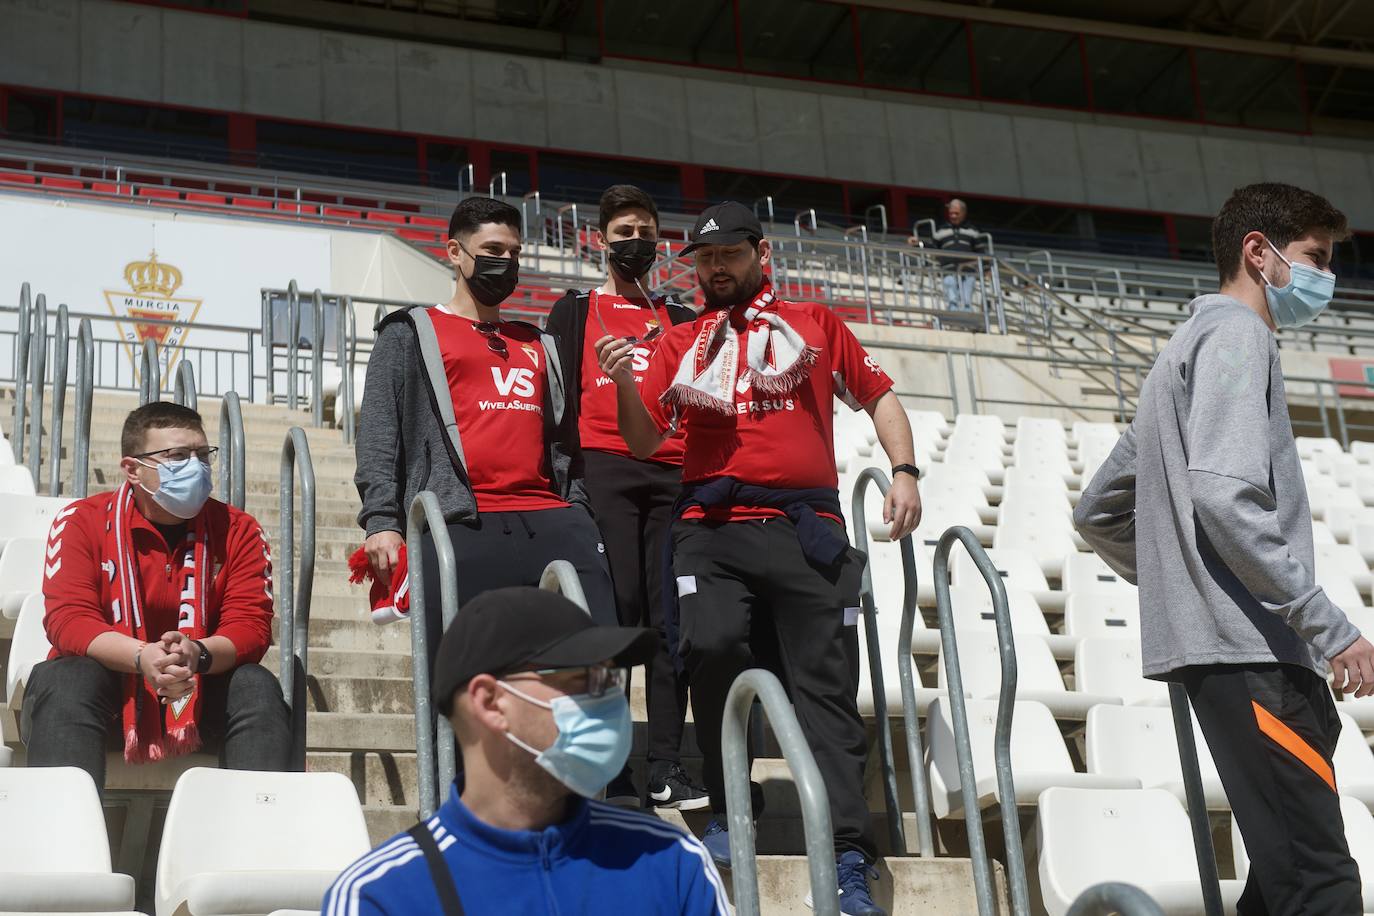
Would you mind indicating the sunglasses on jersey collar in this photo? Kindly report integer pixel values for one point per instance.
(492, 332)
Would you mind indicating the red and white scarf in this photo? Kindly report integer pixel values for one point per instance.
(152, 731)
(708, 377)
(390, 599)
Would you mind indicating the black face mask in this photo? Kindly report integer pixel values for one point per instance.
(493, 279)
(632, 258)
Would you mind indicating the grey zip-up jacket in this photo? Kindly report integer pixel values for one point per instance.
(408, 437)
(1202, 503)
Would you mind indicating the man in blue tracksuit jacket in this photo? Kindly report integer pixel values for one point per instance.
(535, 693)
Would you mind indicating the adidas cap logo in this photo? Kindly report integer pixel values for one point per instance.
(709, 227)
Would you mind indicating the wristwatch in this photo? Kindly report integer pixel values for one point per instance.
(906, 468)
(205, 659)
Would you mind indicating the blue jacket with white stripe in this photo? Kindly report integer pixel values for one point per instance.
(599, 859)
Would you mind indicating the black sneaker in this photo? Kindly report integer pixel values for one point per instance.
(622, 792)
(674, 789)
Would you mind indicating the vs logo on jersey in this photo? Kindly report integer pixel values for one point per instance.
(519, 382)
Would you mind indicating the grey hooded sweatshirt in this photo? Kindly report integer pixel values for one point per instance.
(1202, 504)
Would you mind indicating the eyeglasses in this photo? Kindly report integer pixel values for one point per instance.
(173, 455)
(491, 331)
(600, 679)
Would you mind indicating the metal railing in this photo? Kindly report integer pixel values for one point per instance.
(1114, 897)
(317, 359)
(815, 802)
(896, 834)
(560, 577)
(435, 769)
(184, 388)
(59, 400)
(293, 599)
(21, 369)
(149, 373)
(345, 415)
(38, 355)
(85, 403)
(232, 479)
(1198, 818)
(1006, 700)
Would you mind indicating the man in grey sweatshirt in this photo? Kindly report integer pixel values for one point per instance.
(1202, 504)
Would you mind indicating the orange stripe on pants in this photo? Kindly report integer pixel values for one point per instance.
(1291, 742)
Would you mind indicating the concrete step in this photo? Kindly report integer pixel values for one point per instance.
(333, 731)
(359, 633)
(348, 663)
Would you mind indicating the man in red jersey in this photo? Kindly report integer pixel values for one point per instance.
(472, 407)
(760, 555)
(159, 609)
(632, 498)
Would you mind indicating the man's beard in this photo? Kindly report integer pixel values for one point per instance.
(716, 301)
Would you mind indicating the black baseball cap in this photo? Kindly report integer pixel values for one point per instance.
(725, 224)
(507, 630)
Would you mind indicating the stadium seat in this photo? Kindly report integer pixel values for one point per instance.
(1039, 758)
(889, 587)
(889, 629)
(54, 851)
(1359, 836)
(1338, 587)
(1108, 613)
(1037, 674)
(1353, 762)
(1041, 456)
(6, 755)
(972, 609)
(1310, 447)
(1087, 572)
(1137, 836)
(280, 840)
(1341, 520)
(21, 573)
(16, 480)
(1110, 666)
(29, 516)
(980, 424)
(1139, 742)
(6, 453)
(28, 646)
(1322, 535)
(1040, 428)
(1019, 476)
(1046, 543)
(1344, 560)
(1363, 452)
(937, 518)
(1017, 568)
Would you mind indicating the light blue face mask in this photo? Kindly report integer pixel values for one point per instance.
(593, 739)
(183, 486)
(1306, 295)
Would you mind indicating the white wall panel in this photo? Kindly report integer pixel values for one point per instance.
(790, 135)
(202, 60)
(854, 133)
(358, 74)
(282, 71)
(40, 43)
(722, 124)
(1047, 159)
(434, 89)
(121, 51)
(1111, 166)
(922, 146)
(1228, 164)
(508, 99)
(985, 153)
(582, 107)
(649, 114)
(1172, 166)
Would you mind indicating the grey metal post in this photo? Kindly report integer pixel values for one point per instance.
(317, 358)
(920, 789)
(815, 801)
(1321, 409)
(1116, 376)
(294, 606)
(1114, 897)
(972, 387)
(38, 358)
(184, 389)
(59, 400)
(21, 369)
(896, 836)
(953, 382)
(231, 450)
(150, 374)
(347, 355)
(425, 512)
(293, 331)
(1340, 419)
(269, 353)
(561, 576)
(954, 681)
(1197, 801)
(85, 397)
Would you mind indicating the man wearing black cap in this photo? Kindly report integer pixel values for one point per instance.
(759, 552)
(535, 693)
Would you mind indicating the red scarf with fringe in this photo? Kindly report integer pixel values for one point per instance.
(390, 600)
(777, 359)
(152, 731)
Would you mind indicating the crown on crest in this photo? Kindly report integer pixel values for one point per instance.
(152, 276)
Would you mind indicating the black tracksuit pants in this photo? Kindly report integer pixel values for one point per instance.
(633, 502)
(1272, 731)
(749, 598)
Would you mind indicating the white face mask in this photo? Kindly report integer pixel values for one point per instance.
(593, 740)
(1305, 296)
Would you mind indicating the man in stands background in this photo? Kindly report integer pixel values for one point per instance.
(1203, 503)
(471, 406)
(632, 498)
(535, 693)
(159, 610)
(760, 556)
(956, 233)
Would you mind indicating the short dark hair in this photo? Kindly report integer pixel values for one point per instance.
(157, 415)
(618, 198)
(1281, 211)
(474, 212)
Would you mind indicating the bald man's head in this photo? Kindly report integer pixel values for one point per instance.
(956, 211)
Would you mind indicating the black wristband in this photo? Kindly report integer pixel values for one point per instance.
(204, 660)
(906, 469)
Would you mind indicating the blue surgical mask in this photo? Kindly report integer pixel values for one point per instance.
(183, 486)
(1306, 295)
(593, 739)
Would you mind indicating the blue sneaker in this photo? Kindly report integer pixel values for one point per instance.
(716, 839)
(852, 873)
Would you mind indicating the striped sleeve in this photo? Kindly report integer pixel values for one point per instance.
(376, 884)
(701, 892)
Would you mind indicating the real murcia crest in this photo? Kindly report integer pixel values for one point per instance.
(151, 297)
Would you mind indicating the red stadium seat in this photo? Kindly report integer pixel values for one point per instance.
(341, 213)
(160, 193)
(197, 197)
(440, 253)
(18, 177)
(290, 206)
(70, 184)
(105, 187)
(418, 235)
(252, 203)
(381, 216)
(431, 221)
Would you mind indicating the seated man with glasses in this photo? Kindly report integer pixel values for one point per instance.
(535, 692)
(159, 609)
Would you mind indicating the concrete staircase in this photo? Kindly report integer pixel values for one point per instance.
(360, 720)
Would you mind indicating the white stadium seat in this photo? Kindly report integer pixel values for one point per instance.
(1114, 613)
(1362, 452)
(1037, 673)
(21, 573)
(1359, 836)
(17, 480)
(1137, 836)
(279, 841)
(1110, 666)
(980, 424)
(1139, 742)
(29, 516)
(1017, 568)
(889, 629)
(6, 453)
(54, 851)
(972, 609)
(1087, 572)
(1019, 476)
(1046, 543)
(1310, 447)
(6, 755)
(1344, 559)
(1341, 520)
(28, 647)
(1353, 762)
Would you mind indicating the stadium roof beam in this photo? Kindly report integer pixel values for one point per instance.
(1288, 13)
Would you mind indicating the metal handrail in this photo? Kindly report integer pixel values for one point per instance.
(293, 330)
(21, 369)
(1198, 818)
(491, 185)
(232, 456)
(1006, 700)
(767, 202)
(426, 512)
(1114, 897)
(294, 606)
(150, 374)
(184, 388)
(59, 399)
(896, 834)
(797, 221)
(38, 358)
(85, 401)
(881, 210)
(560, 576)
(347, 354)
(815, 801)
(317, 358)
